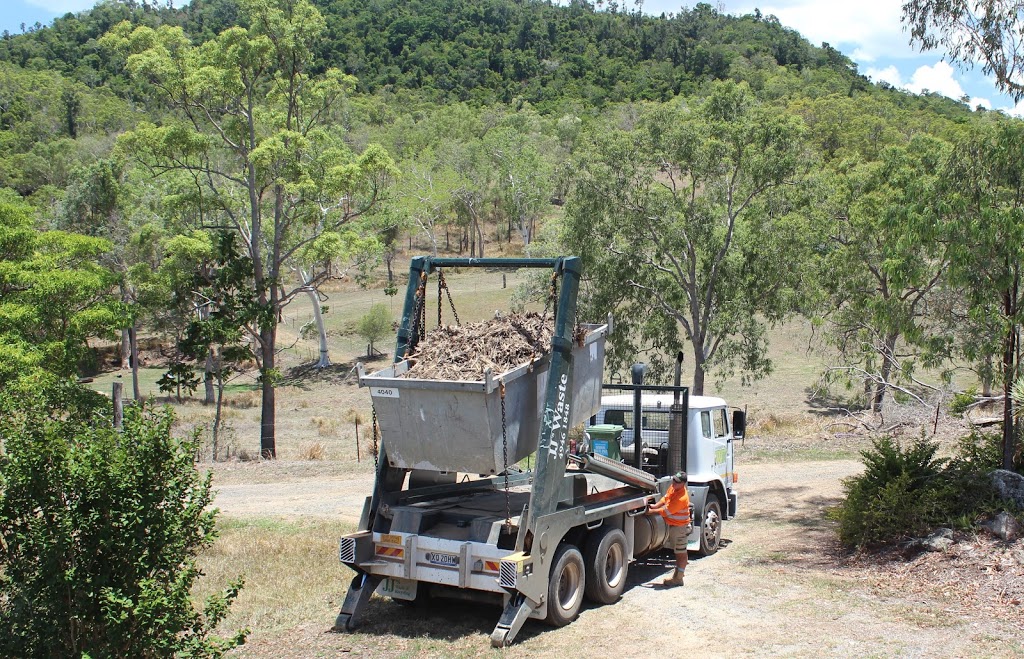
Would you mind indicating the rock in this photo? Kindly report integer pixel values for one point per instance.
(1004, 526)
(1009, 485)
(940, 540)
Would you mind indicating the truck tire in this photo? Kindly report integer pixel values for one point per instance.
(606, 565)
(711, 526)
(566, 585)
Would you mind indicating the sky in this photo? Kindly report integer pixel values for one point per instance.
(869, 32)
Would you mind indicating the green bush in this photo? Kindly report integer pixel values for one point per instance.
(99, 533)
(907, 491)
(899, 494)
(375, 325)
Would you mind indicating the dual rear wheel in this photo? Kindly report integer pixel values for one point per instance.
(599, 573)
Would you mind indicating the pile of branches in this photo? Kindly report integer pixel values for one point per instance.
(464, 352)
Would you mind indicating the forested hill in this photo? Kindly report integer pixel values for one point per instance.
(482, 51)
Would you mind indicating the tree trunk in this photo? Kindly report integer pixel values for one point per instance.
(880, 387)
(134, 340)
(217, 416)
(1009, 375)
(208, 380)
(698, 368)
(268, 438)
(325, 359)
(126, 348)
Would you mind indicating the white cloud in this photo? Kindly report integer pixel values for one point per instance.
(62, 6)
(861, 56)
(938, 78)
(889, 74)
(1016, 111)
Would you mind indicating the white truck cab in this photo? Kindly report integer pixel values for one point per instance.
(708, 461)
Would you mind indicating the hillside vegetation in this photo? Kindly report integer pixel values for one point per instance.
(718, 174)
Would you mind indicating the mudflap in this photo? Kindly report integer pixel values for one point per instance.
(512, 619)
(359, 593)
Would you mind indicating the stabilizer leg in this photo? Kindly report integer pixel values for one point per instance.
(358, 595)
(512, 619)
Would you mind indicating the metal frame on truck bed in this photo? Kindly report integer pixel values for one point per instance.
(451, 513)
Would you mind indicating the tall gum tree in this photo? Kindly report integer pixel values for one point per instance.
(682, 223)
(884, 260)
(983, 210)
(257, 136)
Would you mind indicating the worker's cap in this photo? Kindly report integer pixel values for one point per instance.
(679, 477)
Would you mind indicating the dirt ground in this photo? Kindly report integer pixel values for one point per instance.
(779, 587)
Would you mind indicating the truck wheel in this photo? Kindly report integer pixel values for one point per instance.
(711, 526)
(565, 586)
(607, 565)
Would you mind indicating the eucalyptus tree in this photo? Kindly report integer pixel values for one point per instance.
(989, 32)
(983, 207)
(256, 134)
(885, 257)
(687, 233)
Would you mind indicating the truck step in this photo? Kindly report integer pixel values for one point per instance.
(599, 464)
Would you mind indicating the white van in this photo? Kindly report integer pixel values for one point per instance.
(708, 443)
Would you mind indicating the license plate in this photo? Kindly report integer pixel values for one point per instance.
(390, 539)
(439, 558)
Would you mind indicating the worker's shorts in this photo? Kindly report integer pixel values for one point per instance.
(678, 537)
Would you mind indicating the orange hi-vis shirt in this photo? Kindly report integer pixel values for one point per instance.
(677, 505)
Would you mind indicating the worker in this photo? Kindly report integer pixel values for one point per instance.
(675, 508)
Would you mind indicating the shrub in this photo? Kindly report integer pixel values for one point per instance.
(100, 531)
(899, 494)
(907, 492)
(375, 325)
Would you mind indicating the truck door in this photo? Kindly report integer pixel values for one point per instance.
(722, 445)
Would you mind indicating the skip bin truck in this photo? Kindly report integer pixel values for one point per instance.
(451, 513)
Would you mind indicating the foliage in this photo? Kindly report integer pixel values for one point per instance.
(180, 377)
(882, 262)
(255, 137)
(897, 496)
(100, 532)
(688, 230)
(375, 325)
(906, 491)
(54, 295)
(979, 208)
(986, 31)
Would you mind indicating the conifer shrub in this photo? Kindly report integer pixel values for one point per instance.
(906, 491)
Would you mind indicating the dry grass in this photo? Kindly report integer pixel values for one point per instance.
(325, 427)
(283, 564)
(312, 451)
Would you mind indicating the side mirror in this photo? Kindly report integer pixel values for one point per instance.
(739, 424)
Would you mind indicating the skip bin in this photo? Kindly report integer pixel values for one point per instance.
(605, 440)
(444, 425)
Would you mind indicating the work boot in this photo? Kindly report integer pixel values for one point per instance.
(675, 580)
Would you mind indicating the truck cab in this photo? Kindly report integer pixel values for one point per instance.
(709, 436)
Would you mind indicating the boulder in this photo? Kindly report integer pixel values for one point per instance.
(1004, 526)
(940, 540)
(1009, 485)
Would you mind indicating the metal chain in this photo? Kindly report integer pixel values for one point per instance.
(421, 313)
(375, 431)
(442, 284)
(504, 456)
